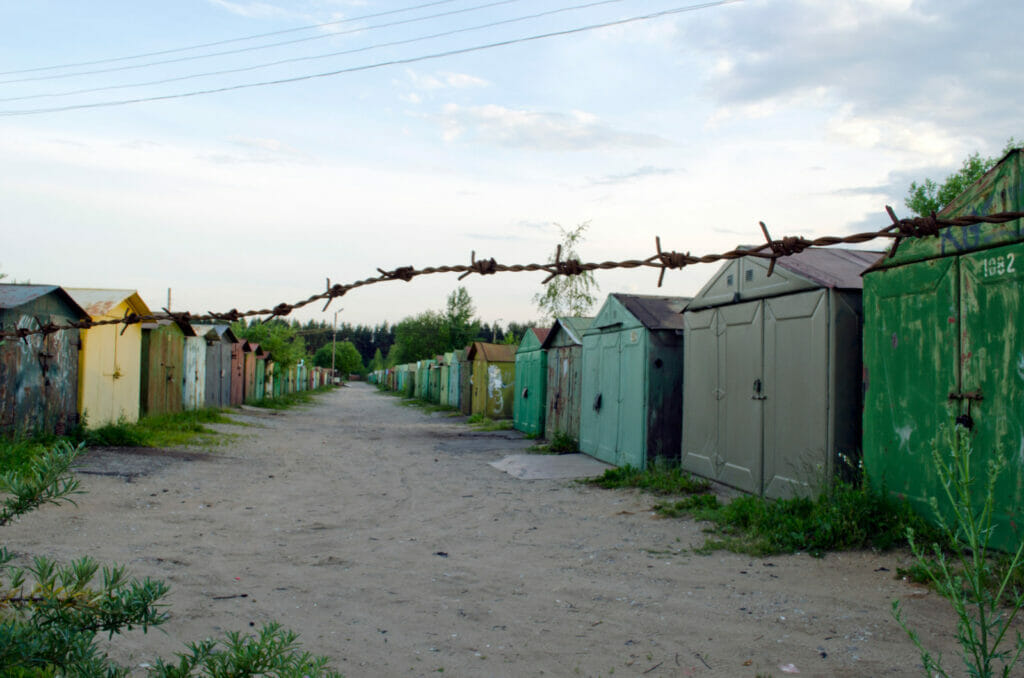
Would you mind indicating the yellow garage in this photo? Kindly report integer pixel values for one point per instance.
(109, 361)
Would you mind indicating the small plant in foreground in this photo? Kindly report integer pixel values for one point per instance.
(967, 578)
(51, 614)
(660, 477)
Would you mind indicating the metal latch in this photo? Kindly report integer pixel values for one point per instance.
(758, 395)
(966, 420)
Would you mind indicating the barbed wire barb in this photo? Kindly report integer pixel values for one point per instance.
(899, 230)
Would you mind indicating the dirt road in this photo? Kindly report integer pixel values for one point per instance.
(385, 538)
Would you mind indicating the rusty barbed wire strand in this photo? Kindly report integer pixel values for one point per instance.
(772, 249)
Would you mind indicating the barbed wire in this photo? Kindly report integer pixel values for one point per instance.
(772, 249)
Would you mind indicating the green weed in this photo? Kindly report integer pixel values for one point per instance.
(563, 443)
(289, 400)
(842, 517)
(426, 405)
(658, 478)
(481, 422)
(986, 598)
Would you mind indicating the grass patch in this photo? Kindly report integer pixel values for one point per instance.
(289, 400)
(18, 455)
(841, 518)
(658, 477)
(480, 422)
(563, 443)
(427, 406)
(164, 430)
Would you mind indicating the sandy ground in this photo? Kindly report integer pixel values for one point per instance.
(385, 537)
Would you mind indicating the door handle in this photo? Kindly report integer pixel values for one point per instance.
(758, 395)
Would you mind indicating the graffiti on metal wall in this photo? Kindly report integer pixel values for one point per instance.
(495, 388)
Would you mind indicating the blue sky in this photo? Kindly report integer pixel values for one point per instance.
(805, 114)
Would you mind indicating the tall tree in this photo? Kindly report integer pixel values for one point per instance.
(462, 326)
(421, 337)
(930, 196)
(568, 295)
(283, 341)
(346, 358)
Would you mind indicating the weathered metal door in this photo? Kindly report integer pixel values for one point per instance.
(193, 393)
(992, 360)
(741, 379)
(444, 388)
(591, 398)
(701, 392)
(237, 373)
(912, 355)
(529, 391)
(607, 402)
(166, 356)
(59, 362)
(261, 376)
(563, 392)
(796, 391)
(466, 387)
(633, 384)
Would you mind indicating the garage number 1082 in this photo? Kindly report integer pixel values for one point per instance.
(998, 266)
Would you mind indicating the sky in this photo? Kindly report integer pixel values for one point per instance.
(809, 115)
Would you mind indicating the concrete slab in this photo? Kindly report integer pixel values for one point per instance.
(550, 466)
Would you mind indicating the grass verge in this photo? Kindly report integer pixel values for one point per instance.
(658, 478)
(161, 430)
(480, 422)
(427, 406)
(840, 518)
(283, 402)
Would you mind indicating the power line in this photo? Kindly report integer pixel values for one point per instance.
(254, 48)
(373, 66)
(281, 62)
(228, 41)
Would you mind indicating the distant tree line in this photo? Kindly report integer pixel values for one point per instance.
(359, 348)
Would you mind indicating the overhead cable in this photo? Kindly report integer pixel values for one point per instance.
(254, 48)
(228, 41)
(281, 62)
(368, 67)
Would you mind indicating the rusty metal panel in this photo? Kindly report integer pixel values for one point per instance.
(238, 372)
(465, 383)
(249, 370)
(563, 392)
(163, 364)
(193, 394)
(218, 373)
(1001, 189)
(38, 376)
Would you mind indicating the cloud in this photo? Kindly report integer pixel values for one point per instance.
(252, 10)
(512, 128)
(430, 83)
(925, 66)
(639, 173)
(255, 150)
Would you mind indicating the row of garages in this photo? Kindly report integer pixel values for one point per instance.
(112, 373)
(840, 359)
